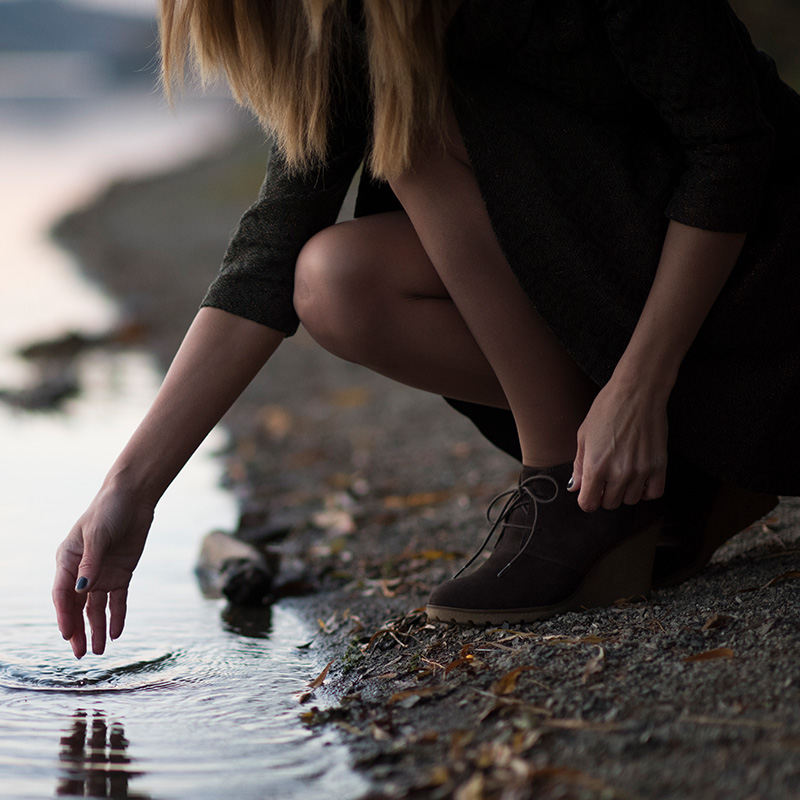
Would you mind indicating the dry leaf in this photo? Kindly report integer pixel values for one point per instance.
(378, 733)
(398, 502)
(425, 691)
(473, 789)
(346, 726)
(275, 421)
(459, 662)
(429, 555)
(594, 665)
(438, 776)
(458, 741)
(716, 621)
(787, 576)
(522, 741)
(358, 624)
(320, 679)
(581, 725)
(708, 655)
(330, 625)
(334, 521)
(354, 397)
(508, 683)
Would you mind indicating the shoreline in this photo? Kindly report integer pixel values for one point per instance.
(380, 492)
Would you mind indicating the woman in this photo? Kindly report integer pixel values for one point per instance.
(574, 219)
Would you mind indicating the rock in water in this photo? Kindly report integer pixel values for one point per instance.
(235, 569)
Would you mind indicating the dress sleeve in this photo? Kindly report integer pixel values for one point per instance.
(693, 60)
(256, 279)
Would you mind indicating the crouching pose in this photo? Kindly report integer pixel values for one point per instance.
(576, 221)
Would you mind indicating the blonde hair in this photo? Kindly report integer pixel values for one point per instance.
(282, 58)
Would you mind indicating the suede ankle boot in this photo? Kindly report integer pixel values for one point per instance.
(552, 557)
(700, 514)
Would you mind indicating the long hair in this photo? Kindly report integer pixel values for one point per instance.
(281, 59)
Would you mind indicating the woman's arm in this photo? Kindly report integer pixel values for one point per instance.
(220, 355)
(622, 444)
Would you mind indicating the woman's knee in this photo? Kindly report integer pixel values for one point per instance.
(335, 290)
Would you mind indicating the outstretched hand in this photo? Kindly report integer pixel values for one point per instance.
(94, 565)
(622, 449)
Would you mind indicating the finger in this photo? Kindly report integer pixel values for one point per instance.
(78, 640)
(634, 493)
(67, 611)
(575, 481)
(96, 614)
(87, 572)
(117, 604)
(592, 487)
(613, 492)
(69, 608)
(655, 487)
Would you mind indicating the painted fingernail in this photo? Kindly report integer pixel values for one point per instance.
(81, 584)
(570, 483)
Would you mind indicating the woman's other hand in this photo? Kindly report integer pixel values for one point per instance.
(94, 565)
(622, 448)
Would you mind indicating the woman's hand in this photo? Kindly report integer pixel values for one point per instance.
(622, 444)
(622, 448)
(94, 565)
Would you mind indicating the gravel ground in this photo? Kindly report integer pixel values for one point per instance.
(374, 493)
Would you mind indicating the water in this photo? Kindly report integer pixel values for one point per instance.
(190, 702)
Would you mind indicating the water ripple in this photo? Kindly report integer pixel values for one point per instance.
(152, 673)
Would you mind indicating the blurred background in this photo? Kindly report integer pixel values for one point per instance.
(144, 198)
(114, 214)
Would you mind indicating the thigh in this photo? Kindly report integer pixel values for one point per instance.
(380, 249)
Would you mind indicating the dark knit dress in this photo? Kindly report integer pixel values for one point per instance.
(590, 125)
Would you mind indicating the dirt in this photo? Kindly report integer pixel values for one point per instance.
(373, 493)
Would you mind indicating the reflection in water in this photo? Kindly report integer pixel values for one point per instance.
(252, 623)
(94, 760)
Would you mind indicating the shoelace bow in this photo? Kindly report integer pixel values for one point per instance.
(527, 492)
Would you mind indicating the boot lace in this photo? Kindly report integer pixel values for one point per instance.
(529, 492)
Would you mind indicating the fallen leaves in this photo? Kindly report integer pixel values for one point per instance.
(335, 521)
(275, 421)
(320, 679)
(304, 696)
(709, 655)
(508, 683)
(398, 502)
(594, 665)
(786, 576)
(716, 621)
(417, 694)
(351, 397)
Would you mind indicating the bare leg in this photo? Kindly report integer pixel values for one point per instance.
(433, 303)
(548, 395)
(367, 292)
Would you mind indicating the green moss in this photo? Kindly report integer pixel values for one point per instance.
(352, 656)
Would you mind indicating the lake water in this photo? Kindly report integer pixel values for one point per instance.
(186, 704)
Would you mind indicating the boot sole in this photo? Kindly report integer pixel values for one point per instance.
(624, 571)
